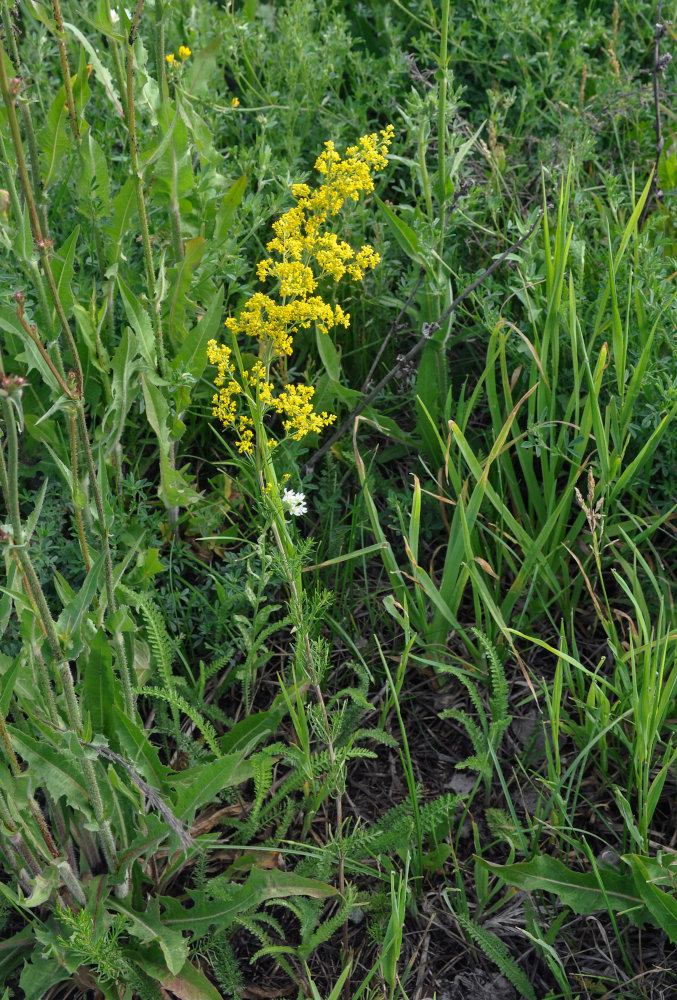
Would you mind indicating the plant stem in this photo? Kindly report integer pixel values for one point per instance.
(125, 674)
(140, 200)
(9, 487)
(76, 492)
(285, 546)
(65, 70)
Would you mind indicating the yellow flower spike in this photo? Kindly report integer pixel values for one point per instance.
(235, 103)
(170, 58)
(184, 53)
(301, 253)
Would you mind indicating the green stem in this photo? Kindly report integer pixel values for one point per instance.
(442, 123)
(159, 50)
(285, 545)
(8, 95)
(140, 200)
(44, 680)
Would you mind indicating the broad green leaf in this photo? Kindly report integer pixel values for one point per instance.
(54, 769)
(42, 887)
(199, 785)
(124, 387)
(102, 74)
(174, 489)
(330, 357)
(168, 127)
(53, 138)
(124, 207)
(7, 683)
(188, 984)
(138, 751)
(98, 684)
(94, 182)
(246, 735)
(22, 244)
(192, 355)
(180, 279)
(71, 617)
(406, 237)
(12, 951)
(38, 977)
(662, 905)
(228, 207)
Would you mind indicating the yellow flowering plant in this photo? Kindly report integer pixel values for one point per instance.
(302, 253)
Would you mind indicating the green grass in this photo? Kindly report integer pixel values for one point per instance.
(434, 716)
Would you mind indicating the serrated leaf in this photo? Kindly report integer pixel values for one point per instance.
(261, 885)
(56, 770)
(7, 684)
(139, 320)
(102, 74)
(124, 207)
(94, 182)
(38, 977)
(246, 735)
(149, 927)
(52, 137)
(42, 887)
(580, 891)
(189, 984)
(124, 387)
(138, 751)
(12, 950)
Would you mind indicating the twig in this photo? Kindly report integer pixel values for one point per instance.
(154, 799)
(659, 64)
(427, 331)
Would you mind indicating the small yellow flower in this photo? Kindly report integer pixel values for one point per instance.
(235, 103)
(170, 58)
(184, 52)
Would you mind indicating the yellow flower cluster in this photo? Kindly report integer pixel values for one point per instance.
(300, 241)
(294, 402)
